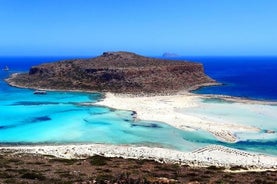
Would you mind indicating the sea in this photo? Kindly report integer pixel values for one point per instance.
(247, 77)
(61, 117)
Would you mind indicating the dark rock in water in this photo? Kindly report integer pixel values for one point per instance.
(270, 131)
(41, 118)
(115, 72)
(134, 115)
(40, 92)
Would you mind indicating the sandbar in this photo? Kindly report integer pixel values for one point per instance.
(170, 109)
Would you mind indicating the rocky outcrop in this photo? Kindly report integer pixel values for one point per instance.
(115, 72)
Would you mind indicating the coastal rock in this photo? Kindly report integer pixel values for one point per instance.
(270, 131)
(115, 72)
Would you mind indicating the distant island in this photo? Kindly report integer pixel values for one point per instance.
(118, 72)
(170, 55)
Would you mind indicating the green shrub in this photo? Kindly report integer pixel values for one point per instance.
(33, 176)
(215, 168)
(98, 160)
(234, 168)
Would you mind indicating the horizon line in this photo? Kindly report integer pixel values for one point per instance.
(160, 56)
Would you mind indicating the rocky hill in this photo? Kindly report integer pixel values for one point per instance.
(120, 72)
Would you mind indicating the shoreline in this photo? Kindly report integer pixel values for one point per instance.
(203, 157)
(182, 92)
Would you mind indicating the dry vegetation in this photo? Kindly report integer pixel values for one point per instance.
(27, 168)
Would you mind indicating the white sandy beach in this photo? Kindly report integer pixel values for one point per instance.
(208, 156)
(171, 110)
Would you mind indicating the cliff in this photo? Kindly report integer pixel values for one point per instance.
(115, 72)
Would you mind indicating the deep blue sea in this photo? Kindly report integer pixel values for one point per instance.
(247, 77)
(61, 117)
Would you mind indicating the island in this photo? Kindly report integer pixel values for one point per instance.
(169, 55)
(118, 72)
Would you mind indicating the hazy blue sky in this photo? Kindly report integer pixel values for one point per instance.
(149, 27)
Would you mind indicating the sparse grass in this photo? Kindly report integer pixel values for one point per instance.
(40, 169)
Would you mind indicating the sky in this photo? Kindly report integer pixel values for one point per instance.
(148, 27)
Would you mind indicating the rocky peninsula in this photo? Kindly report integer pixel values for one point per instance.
(117, 72)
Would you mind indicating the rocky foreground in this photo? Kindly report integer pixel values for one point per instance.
(115, 72)
(33, 168)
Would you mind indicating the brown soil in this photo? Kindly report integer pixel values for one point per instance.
(29, 168)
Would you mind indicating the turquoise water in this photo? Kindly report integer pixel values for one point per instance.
(62, 117)
(65, 117)
(260, 116)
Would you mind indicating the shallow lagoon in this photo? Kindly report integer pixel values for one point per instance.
(66, 117)
(260, 116)
(63, 117)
